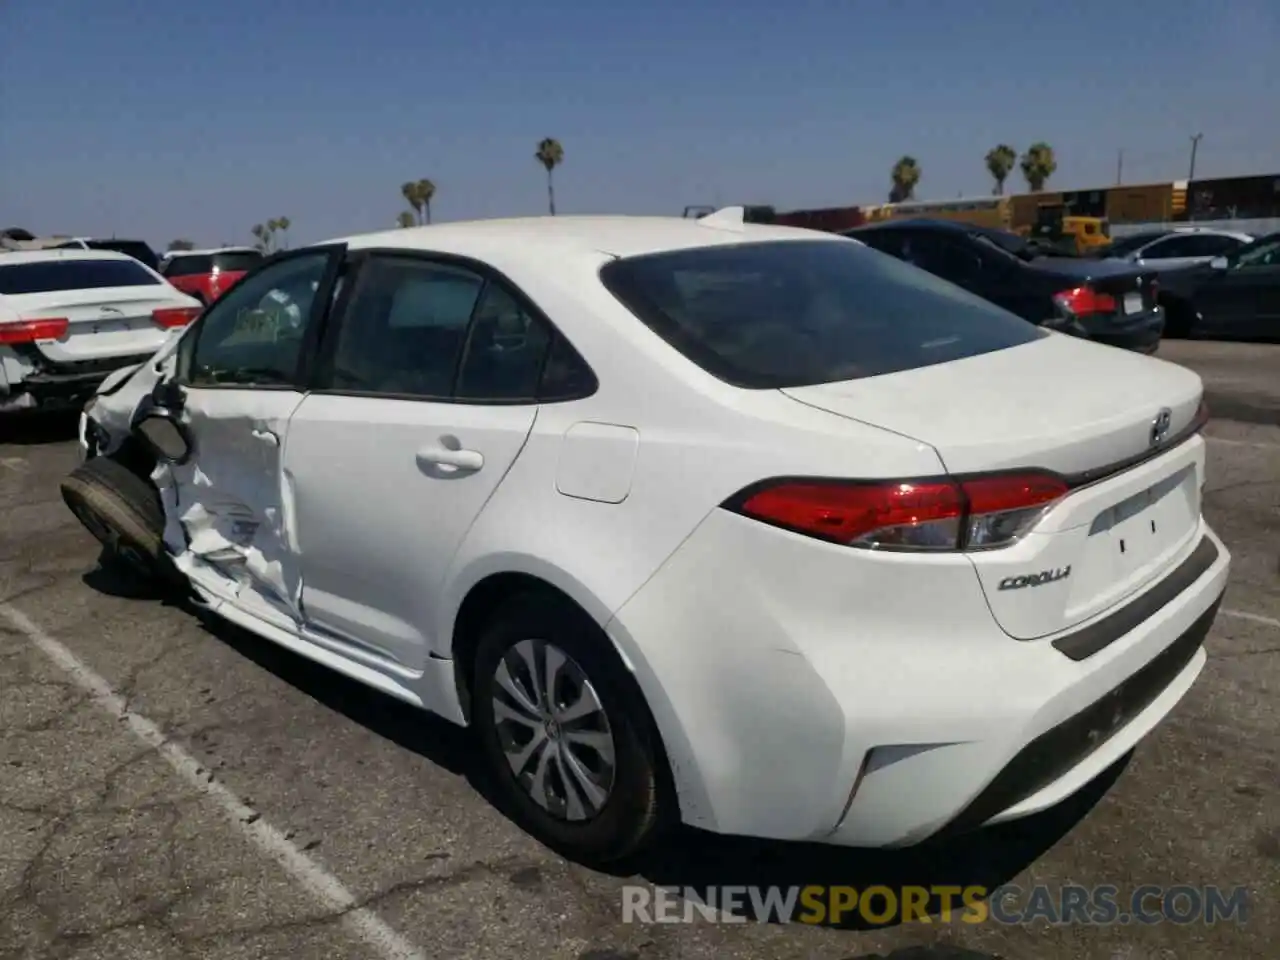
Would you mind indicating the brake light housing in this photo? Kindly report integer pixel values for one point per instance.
(172, 317)
(29, 331)
(937, 514)
(1083, 301)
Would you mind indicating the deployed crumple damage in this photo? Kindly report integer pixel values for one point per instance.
(227, 509)
(114, 406)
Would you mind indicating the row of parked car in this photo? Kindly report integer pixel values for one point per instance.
(75, 309)
(1180, 283)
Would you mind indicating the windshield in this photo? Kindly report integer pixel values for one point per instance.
(1263, 252)
(47, 276)
(135, 248)
(793, 313)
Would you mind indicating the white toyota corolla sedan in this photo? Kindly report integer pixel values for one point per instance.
(748, 527)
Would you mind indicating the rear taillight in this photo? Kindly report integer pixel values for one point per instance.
(971, 513)
(175, 316)
(1082, 301)
(29, 331)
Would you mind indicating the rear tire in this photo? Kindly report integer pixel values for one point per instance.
(123, 512)
(596, 788)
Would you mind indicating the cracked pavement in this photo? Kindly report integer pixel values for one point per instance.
(107, 852)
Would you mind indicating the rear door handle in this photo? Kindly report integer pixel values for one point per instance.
(470, 460)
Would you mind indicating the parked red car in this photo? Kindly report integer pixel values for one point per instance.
(207, 274)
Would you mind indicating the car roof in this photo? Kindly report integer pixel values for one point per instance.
(10, 258)
(614, 236)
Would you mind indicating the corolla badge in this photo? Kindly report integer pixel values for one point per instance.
(1034, 579)
(1160, 426)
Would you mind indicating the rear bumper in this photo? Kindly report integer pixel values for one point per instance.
(873, 701)
(30, 382)
(1140, 331)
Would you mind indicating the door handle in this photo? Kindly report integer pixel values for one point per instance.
(444, 457)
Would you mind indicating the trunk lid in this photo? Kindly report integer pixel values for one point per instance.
(1075, 408)
(1134, 288)
(103, 322)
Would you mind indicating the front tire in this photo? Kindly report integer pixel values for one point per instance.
(566, 733)
(122, 511)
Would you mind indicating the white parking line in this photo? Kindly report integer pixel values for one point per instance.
(361, 922)
(1257, 444)
(1255, 617)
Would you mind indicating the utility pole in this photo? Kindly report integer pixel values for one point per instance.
(1120, 168)
(1195, 142)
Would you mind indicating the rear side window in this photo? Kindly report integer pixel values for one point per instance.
(54, 275)
(793, 313)
(188, 266)
(237, 261)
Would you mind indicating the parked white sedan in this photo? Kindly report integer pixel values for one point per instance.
(745, 526)
(68, 318)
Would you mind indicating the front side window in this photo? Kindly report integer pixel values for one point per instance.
(253, 335)
(799, 312)
(1260, 253)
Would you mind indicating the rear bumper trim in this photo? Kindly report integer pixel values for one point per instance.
(1085, 642)
(1055, 752)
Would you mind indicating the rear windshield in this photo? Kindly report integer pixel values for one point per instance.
(52, 275)
(793, 313)
(237, 261)
(188, 266)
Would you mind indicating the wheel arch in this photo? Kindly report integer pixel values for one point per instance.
(488, 589)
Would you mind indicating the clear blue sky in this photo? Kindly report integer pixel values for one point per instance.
(178, 119)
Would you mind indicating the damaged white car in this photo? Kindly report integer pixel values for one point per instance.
(744, 526)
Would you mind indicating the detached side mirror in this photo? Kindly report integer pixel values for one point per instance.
(1219, 263)
(161, 430)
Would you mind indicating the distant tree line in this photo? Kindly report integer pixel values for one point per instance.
(1037, 165)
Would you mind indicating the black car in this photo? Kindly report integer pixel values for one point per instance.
(1113, 303)
(140, 250)
(1233, 296)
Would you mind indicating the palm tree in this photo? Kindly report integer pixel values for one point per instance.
(418, 194)
(905, 174)
(409, 191)
(426, 190)
(405, 219)
(550, 154)
(284, 224)
(259, 232)
(1038, 165)
(1000, 161)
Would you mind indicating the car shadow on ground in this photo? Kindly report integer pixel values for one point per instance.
(688, 859)
(39, 429)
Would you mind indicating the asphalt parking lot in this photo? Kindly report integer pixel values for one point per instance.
(175, 788)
